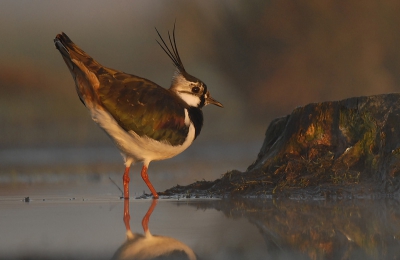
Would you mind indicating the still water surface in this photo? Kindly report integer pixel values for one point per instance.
(74, 212)
(96, 228)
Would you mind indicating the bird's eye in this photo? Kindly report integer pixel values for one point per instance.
(195, 89)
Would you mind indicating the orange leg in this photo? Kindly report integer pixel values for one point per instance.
(126, 179)
(145, 177)
(127, 216)
(146, 218)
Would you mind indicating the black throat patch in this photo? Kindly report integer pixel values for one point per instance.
(196, 116)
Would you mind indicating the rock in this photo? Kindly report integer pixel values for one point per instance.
(352, 145)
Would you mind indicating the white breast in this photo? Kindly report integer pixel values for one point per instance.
(140, 149)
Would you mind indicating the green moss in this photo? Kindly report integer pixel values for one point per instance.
(357, 126)
(360, 130)
(346, 178)
(315, 131)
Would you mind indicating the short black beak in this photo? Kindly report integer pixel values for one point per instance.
(210, 100)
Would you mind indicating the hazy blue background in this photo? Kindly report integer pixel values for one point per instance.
(260, 59)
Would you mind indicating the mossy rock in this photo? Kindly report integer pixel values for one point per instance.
(328, 147)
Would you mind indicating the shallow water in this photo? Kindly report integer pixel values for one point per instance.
(93, 227)
(74, 212)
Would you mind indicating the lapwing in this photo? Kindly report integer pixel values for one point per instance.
(146, 121)
(149, 246)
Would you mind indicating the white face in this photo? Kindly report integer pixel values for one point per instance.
(190, 92)
(190, 99)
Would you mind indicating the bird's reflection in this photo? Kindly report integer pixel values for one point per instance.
(148, 246)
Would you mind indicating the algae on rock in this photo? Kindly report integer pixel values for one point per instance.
(325, 148)
(350, 142)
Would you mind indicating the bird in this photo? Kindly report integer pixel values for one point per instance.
(145, 121)
(148, 246)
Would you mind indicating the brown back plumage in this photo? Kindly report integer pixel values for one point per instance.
(137, 104)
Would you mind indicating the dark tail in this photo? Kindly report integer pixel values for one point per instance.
(69, 50)
(61, 42)
(81, 66)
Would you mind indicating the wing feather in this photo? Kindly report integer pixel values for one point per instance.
(141, 106)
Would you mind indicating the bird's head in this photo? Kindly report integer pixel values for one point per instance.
(192, 90)
(189, 88)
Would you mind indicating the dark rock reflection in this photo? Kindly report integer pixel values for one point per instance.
(353, 229)
(147, 246)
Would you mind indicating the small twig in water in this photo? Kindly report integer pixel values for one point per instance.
(117, 186)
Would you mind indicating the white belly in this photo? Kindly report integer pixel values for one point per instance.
(139, 149)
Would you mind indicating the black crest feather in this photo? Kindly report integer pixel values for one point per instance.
(174, 54)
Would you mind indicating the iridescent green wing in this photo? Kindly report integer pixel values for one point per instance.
(142, 106)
